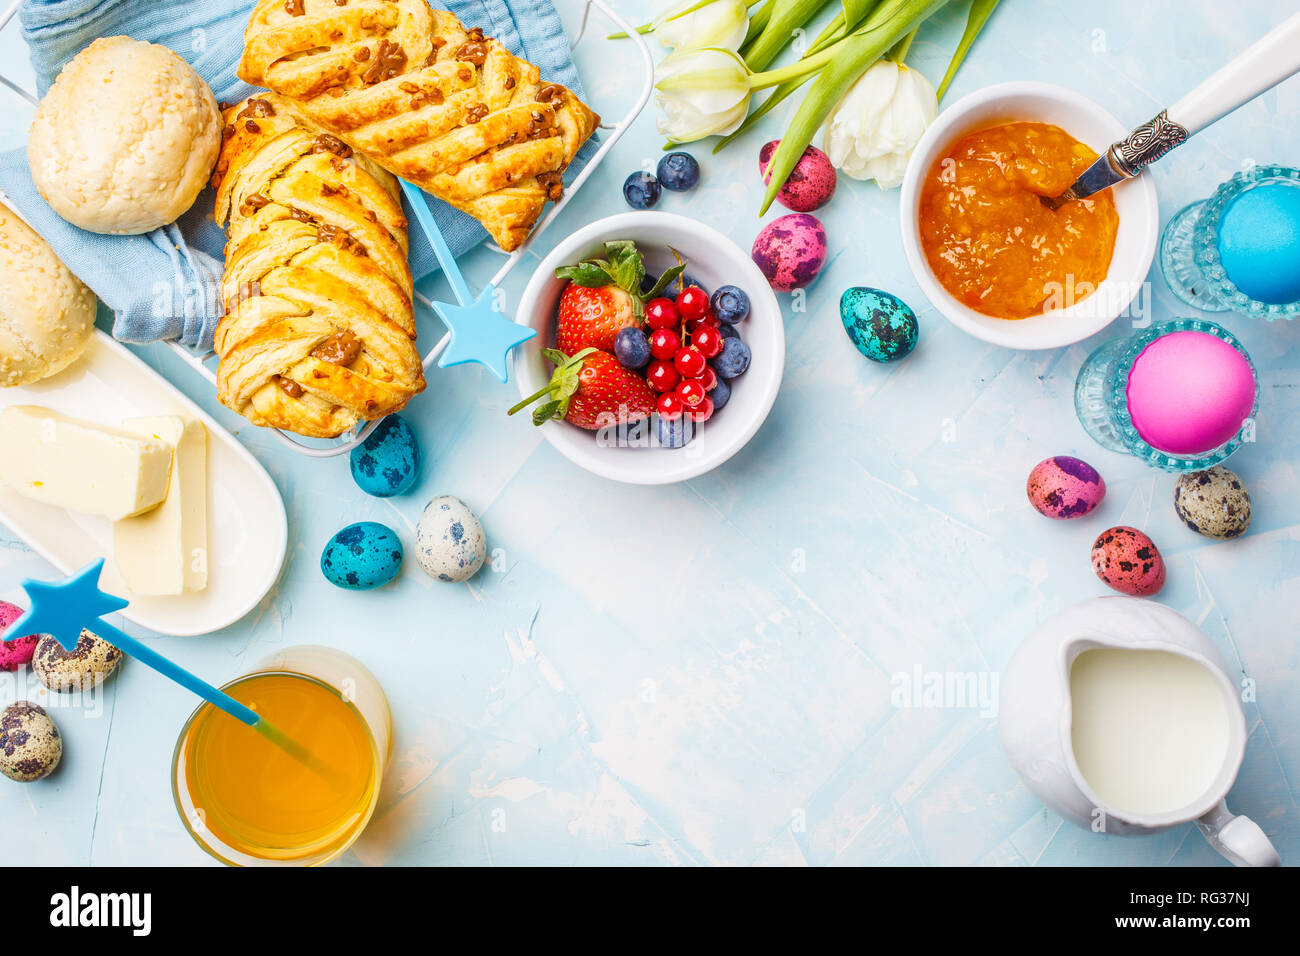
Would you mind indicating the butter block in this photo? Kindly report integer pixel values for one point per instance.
(166, 550)
(81, 466)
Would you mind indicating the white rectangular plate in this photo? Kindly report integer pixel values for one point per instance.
(247, 528)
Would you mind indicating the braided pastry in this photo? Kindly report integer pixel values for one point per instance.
(318, 333)
(450, 110)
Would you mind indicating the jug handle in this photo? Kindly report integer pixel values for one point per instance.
(1239, 839)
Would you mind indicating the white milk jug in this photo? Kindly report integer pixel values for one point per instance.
(1119, 715)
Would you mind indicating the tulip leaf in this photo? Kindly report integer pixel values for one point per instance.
(787, 18)
(855, 11)
(980, 10)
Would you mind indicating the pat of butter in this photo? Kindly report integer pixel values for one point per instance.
(166, 550)
(81, 466)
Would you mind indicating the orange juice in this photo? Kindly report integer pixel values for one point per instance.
(256, 799)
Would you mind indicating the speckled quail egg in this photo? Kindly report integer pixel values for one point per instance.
(880, 325)
(1213, 502)
(388, 461)
(87, 665)
(449, 540)
(790, 251)
(811, 183)
(1128, 561)
(362, 556)
(1062, 487)
(30, 743)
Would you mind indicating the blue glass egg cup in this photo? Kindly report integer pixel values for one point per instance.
(1189, 249)
(1101, 398)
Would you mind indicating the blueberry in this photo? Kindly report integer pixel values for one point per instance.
(675, 433)
(721, 394)
(728, 331)
(733, 360)
(678, 172)
(632, 348)
(730, 304)
(641, 190)
(648, 282)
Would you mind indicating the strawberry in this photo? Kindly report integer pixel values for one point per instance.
(592, 390)
(593, 317)
(603, 297)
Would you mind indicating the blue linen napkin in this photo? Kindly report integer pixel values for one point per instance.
(165, 284)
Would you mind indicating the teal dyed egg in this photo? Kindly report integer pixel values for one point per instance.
(1259, 243)
(362, 556)
(388, 461)
(881, 326)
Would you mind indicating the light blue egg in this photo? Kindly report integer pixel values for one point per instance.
(449, 540)
(388, 461)
(362, 556)
(1259, 243)
(881, 326)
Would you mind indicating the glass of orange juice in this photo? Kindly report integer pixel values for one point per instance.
(247, 801)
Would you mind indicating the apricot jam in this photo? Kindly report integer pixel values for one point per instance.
(993, 244)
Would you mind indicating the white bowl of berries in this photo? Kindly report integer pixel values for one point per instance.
(659, 348)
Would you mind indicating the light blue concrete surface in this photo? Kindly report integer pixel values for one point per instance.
(702, 673)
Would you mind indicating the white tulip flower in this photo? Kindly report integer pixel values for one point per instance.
(719, 25)
(701, 93)
(872, 131)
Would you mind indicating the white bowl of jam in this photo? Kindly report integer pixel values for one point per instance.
(989, 255)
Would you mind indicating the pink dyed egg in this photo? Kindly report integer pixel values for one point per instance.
(811, 183)
(14, 654)
(1064, 487)
(1128, 561)
(790, 251)
(1189, 392)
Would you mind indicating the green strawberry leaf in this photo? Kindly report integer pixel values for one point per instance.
(565, 381)
(626, 267)
(664, 281)
(544, 413)
(561, 387)
(589, 275)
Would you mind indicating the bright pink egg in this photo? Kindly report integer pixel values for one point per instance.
(18, 652)
(1189, 392)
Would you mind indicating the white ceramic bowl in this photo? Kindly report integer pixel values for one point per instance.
(1135, 202)
(713, 259)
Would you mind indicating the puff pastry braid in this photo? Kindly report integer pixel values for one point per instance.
(318, 332)
(450, 110)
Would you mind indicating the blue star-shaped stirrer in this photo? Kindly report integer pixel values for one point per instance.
(479, 332)
(75, 604)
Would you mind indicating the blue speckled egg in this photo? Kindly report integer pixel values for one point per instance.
(881, 326)
(362, 556)
(449, 541)
(388, 461)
